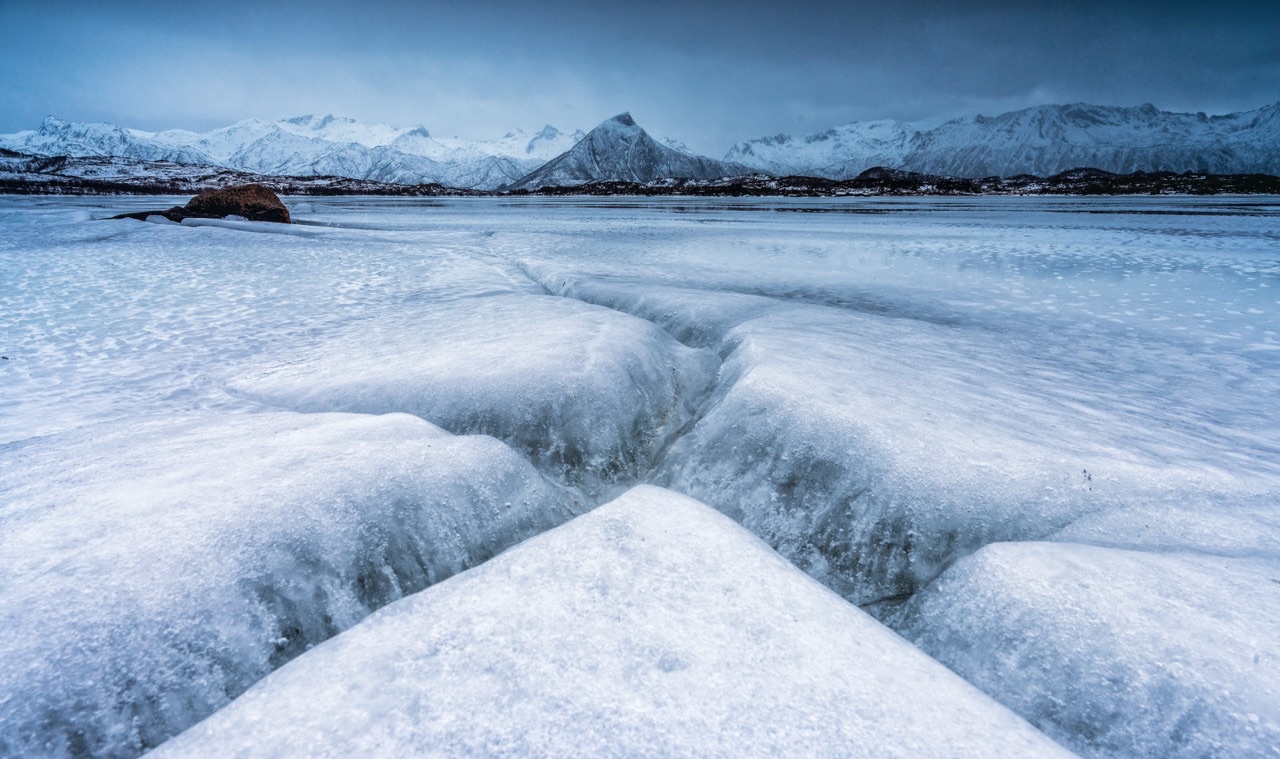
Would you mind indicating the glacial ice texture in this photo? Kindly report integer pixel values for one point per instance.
(921, 403)
(1115, 652)
(155, 568)
(589, 394)
(652, 626)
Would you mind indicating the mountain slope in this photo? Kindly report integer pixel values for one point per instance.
(1044, 140)
(619, 150)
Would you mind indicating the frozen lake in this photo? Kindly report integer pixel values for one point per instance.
(1038, 438)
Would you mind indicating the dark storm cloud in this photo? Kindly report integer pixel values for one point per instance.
(707, 73)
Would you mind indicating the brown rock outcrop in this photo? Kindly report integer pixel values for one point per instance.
(250, 201)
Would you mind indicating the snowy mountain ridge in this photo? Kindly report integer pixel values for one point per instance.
(1043, 140)
(311, 146)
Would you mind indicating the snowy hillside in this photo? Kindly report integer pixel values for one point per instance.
(1044, 140)
(620, 150)
(311, 146)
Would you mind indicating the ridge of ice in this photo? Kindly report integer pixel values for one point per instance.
(650, 626)
(155, 568)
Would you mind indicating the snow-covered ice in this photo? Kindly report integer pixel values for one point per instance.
(616, 387)
(897, 398)
(151, 569)
(1039, 437)
(652, 626)
(1119, 652)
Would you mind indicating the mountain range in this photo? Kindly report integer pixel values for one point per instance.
(311, 146)
(1044, 140)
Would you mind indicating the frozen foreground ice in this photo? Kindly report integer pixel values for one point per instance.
(155, 568)
(1038, 438)
(652, 626)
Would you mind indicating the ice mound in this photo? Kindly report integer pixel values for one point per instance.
(151, 571)
(589, 394)
(652, 626)
(1115, 652)
(872, 451)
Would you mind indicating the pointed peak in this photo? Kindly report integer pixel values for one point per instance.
(418, 131)
(548, 132)
(310, 119)
(622, 124)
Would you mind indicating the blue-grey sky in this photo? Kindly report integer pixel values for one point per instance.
(709, 73)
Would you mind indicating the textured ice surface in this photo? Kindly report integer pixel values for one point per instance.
(109, 319)
(154, 568)
(1116, 652)
(652, 626)
(588, 393)
(872, 451)
(898, 394)
(908, 391)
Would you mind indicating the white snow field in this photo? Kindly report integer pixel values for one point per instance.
(1040, 438)
(652, 626)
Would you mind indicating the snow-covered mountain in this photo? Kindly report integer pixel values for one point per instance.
(311, 146)
(883, 143)
(619, 149)
(1044, 140)
(57, 137)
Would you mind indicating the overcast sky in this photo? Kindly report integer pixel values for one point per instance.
(707, 73)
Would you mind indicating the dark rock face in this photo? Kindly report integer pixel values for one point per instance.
(618, 150)
(250, 201)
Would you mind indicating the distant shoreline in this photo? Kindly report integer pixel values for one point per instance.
(877, 182)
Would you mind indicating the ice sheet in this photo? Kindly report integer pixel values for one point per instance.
(1115, 652)
(873, 451)
(652, 626)
(154, 568)
(902, 383)
(900, 392)
(102, 320)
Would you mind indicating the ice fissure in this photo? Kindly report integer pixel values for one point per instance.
(835, 512)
